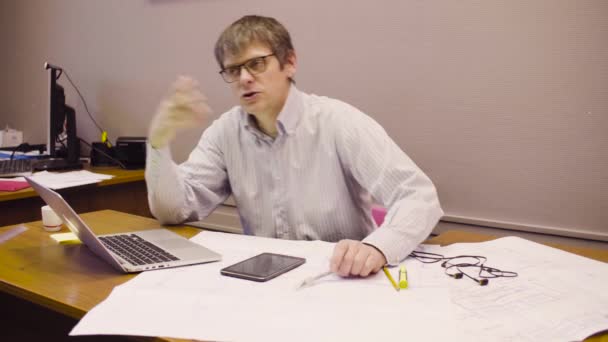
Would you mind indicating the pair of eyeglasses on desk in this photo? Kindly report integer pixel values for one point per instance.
(457, 266)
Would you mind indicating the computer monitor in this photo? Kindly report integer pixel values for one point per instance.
(62, 146)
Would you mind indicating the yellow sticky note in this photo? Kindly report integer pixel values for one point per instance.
(65, 238)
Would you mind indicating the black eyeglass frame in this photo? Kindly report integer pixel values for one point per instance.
(244, 65)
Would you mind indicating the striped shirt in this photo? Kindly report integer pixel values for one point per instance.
(316, 180)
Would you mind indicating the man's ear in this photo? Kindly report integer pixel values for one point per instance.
(291, 65)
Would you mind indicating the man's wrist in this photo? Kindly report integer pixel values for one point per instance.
(379, 250)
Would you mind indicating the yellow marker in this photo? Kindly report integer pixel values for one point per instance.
(403, 277)
(390, 277)
(104, 138)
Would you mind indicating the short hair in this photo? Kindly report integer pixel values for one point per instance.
(254, 29)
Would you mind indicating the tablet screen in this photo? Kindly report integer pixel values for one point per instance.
(263, 267)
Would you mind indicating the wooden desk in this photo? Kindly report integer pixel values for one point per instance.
(125, 192)
(70, 280)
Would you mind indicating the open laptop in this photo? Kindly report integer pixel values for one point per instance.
(132, 251)
(16, 167)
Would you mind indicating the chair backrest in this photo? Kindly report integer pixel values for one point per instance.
(378, 214)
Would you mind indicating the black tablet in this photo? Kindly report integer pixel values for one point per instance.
(263, 267)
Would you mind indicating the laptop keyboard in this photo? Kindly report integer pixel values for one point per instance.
(136, 250)
(16, 167)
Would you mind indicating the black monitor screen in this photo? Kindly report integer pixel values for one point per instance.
(62, 144)
(62, 141)
(56, 114)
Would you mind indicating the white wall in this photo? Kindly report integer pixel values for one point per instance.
(502, 103)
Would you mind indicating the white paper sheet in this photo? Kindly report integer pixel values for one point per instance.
(62, 180)
(557, 296)
(197, 302)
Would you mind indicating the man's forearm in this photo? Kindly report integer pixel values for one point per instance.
(407, 224)
(165, 187)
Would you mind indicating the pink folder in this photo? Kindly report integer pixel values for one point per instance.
(12, 185)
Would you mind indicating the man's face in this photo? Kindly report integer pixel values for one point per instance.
(261, 93)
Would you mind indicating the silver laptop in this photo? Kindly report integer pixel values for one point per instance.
(132, 251)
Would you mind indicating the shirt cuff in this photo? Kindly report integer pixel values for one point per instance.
(393, 244)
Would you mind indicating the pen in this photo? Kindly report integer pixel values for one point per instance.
(403, 277)
(390, 277)
(11, 233)
(310, 280)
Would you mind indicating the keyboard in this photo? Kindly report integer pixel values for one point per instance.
(136, 250)
(16, 167)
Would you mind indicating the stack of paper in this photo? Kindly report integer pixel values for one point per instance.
(556, 297)
(61, 180)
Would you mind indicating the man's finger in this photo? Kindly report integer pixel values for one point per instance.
(349, 258)
(360, 259)
(338, 255)
(371, 263)
(184, 84)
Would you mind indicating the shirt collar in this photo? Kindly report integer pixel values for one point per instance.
(292, 111)
(288, 118)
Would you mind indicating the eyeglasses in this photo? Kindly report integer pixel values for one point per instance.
(254, 66)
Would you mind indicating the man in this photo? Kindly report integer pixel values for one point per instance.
(299, 166)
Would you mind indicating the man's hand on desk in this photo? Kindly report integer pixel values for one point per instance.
(354, 258)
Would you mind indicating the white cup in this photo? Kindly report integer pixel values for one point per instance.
(50, 221)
